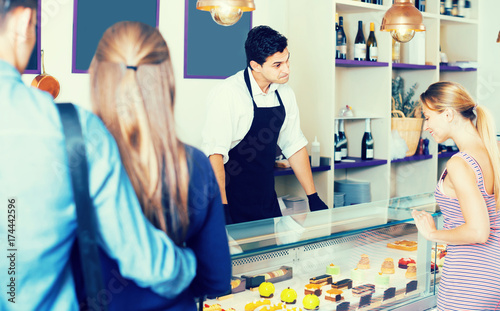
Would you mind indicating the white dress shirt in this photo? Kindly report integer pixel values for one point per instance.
(230, 115)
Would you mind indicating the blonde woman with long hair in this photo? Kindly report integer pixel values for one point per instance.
(469, 197)
(133, 91)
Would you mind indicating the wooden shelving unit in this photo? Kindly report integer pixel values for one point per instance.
(323, 85)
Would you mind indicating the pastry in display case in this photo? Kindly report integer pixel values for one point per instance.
(286, 276)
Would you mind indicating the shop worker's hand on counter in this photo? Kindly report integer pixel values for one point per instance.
(315, 203)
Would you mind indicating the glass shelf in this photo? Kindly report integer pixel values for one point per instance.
(353, 162)
(417, 157)
(358, 63)
(397, 66)
(257, 237)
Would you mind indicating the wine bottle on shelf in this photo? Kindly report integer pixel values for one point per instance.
(341, 40)
(396, 51)
(420, 5)
(448, 6)
(337, 157)
(371, 45)
(367, 143)
(342, 139)
(379, 2)
(337, 51)
(461, 8)
(454, 10)
(360, 43)
(467, 9)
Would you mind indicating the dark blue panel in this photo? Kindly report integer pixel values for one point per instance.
(33, 63)
(93, 17)
(34, 66)
(212, 50)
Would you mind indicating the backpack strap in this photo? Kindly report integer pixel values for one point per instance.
(87, 239)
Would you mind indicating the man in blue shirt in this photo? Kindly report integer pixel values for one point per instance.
(35, 181)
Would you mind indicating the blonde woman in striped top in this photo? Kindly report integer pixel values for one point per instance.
(468, 195)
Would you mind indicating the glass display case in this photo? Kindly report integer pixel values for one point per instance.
(357, 257)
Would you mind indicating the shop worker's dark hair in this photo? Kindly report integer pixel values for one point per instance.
(262, 42)
(8, 5)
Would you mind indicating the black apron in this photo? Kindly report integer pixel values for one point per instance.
(250, 169)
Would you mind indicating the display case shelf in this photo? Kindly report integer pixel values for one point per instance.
(446, 68)
(353, 162)
(418, 157)
(358, 63)
(397, 66)
(447, 154)
(338, 236)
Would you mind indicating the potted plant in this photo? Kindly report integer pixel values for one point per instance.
(406, 116)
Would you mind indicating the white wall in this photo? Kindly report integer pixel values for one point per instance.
(489, 58)
(57, 32)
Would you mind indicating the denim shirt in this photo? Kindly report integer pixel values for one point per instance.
(34, 172)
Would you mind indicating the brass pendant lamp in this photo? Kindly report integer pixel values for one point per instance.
(226, 12)
(403, 19)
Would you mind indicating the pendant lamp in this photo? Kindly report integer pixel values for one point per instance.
(498, 39)
(226, 12)
(403, 19)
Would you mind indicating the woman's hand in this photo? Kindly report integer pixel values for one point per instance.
(425, 223)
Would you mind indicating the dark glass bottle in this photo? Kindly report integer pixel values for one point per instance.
(337, 51)
(338, 151)
(342, 139)
(420, 5)
(367, 143)
(360, 43)
(341, 40)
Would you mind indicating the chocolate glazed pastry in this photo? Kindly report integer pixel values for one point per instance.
(342, 284)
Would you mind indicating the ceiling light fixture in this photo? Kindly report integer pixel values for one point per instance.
(403, 19)
(226, 12)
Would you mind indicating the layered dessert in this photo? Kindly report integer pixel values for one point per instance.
(313, 289)
(363, 290)
(322, 279)
(334, 295)
(345, 283)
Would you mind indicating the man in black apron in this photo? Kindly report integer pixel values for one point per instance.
(242, 147)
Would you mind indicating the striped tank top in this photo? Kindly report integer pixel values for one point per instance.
(471, 273)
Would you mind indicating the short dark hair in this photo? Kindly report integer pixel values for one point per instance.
(262, 42)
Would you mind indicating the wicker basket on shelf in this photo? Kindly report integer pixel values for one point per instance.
(409, 129)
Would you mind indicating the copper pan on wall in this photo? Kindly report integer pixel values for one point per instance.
(46, 82)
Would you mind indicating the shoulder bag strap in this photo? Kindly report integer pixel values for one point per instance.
(87, 240)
